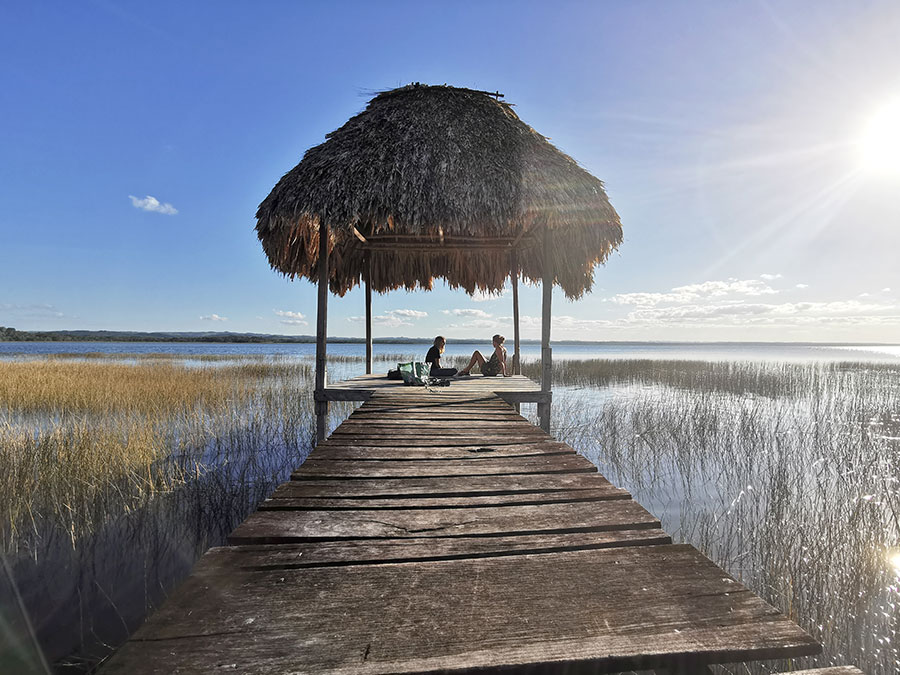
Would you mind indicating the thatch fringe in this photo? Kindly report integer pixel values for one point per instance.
(438, 163)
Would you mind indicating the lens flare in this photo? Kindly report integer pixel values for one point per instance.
(893, 557)
(879, 145)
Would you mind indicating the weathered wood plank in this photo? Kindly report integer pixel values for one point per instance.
(833, 670)
(314, 468)
(292, 496)
(451, 486)
(380, 551)
(390, 440)
(450, 429)
(423, 419)
(603, 610)
(274, 527)
(337, 449)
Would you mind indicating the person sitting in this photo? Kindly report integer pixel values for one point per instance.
(434, 358)
(493, 366)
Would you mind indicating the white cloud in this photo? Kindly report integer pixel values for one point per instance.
(382, 320)
(478, 323)
(801, 286)
(393, 318)
(408, 313)
(886, 290)
(484, 296)
(481, 314)
(35, 311)
(731, 286)
(149, 203)
(213, 317)
(746, 314)
(288, 315)
(770, 277)
(291, 318)
(864, 295)
(694, 292)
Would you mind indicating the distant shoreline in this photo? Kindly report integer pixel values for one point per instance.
(13, 335)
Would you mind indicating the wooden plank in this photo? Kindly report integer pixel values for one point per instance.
(603, 610)
(275, 527)
(388, 441)
(380, 551)
(833, 670)
(429, 405)
(314, 468)
(389, 417)
(438, 427)
(451, 486)
(451, 436)
(335, 449)
(332, 394)
(292, 496)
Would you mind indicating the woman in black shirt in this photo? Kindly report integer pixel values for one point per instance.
(434, 358)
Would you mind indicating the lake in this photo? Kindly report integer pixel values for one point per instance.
(781, 462)
(713, 351)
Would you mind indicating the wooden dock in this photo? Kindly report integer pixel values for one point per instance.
(439, 531)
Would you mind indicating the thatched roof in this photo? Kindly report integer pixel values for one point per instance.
(438, 182)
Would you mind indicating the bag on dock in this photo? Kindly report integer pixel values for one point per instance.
(414, 372)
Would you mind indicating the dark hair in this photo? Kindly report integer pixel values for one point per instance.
(442, 340)
(499, 338)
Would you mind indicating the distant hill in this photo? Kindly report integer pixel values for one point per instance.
(13, 335)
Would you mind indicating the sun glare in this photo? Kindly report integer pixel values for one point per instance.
(880, 142)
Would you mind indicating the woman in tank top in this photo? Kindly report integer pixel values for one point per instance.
(492, 366)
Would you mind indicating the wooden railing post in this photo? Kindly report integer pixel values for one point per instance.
(517, 354)
(321, 403)
(546, 352)
(368, 314)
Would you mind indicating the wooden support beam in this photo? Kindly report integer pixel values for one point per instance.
(368, 315)
(358, 234)
(546, 352)
(514, 276)
(321, 404)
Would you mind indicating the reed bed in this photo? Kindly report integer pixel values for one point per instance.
(124, 471)
(81, 440)
(127, 467)
(787, 475)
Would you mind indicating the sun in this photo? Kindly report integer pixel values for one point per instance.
(879, 144)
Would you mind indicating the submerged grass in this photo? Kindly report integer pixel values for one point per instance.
(81, 441)
(787, 475)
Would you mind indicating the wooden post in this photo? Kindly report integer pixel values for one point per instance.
(368, 315)
(546, 352)
(321, 403)
(517, 354)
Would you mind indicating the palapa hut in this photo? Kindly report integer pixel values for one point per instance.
(437, 182)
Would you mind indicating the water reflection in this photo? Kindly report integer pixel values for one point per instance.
(790, 485)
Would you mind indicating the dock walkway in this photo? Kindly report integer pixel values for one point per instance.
(440, 531)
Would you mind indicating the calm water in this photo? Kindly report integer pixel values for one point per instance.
(714, 351)
(677, 450)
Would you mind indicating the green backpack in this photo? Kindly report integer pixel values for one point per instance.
(414, 372)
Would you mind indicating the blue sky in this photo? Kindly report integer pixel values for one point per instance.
(139, 138)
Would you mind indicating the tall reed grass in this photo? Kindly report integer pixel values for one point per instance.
(787, 475)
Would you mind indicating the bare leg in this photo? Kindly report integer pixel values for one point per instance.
(476, 358)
